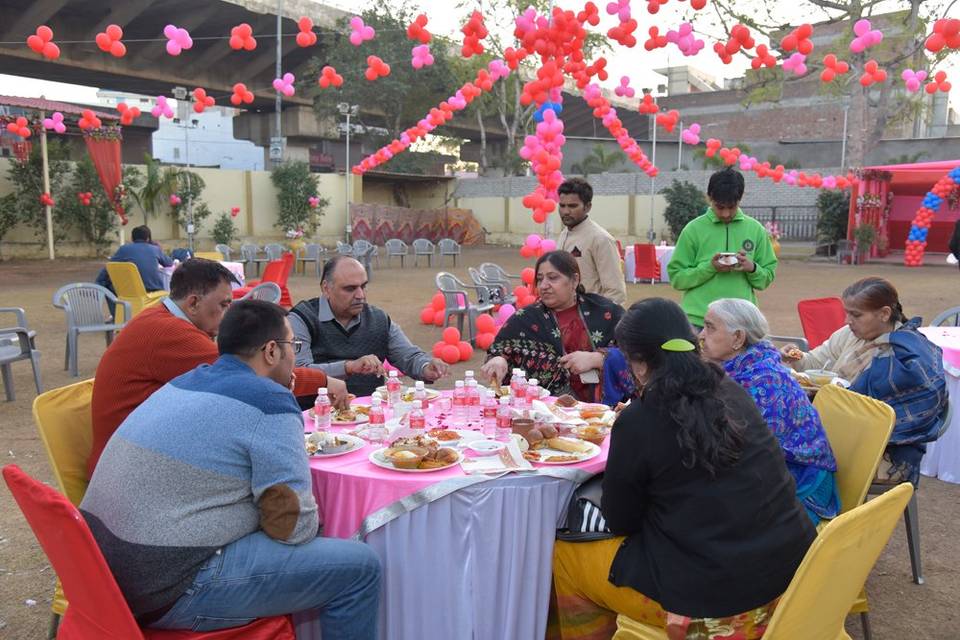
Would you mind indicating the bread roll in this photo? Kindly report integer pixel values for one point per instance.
(572, 446)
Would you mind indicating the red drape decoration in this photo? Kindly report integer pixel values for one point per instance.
(105, 152)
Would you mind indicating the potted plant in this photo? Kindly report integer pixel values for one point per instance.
(773, 232)
(224, 231)
(864, 235)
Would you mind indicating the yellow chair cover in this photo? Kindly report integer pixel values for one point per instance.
(65, 424)
(129, 286)
(209, 255)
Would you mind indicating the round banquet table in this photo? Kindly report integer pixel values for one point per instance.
(463, 556)
(236, 268)
(942, 459)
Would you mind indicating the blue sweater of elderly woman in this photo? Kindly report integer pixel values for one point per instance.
(796, 424)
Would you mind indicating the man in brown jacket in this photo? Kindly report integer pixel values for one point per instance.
(592, 245)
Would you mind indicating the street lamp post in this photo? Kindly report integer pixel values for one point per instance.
(348, 110)
(651, 234)
(183, 113)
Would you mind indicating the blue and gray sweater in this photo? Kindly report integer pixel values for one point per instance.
(212, 456)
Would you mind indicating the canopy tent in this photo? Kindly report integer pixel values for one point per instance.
(888, 197)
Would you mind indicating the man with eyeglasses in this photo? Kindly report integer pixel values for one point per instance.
(723, 253)
(202, 503)
(168, 339)
(348, 338)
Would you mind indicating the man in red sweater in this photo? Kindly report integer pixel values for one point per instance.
(169, 339)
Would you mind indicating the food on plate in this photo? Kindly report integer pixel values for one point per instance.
(438, 459)
(444, 435)
(588, 411)
(820, 377)
(501, 390)
(415, 441)
(592, 433)
(344, 415)
(561, 459)
(534, 437)
(532, 456)
(405, 457)
(567, 401)
(794, 354)
(325, 443)
(570, 446)
(548, 431)
(361, 409)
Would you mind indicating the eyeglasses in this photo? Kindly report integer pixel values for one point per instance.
(296, 344)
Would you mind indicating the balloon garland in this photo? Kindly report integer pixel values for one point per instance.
(917, 238)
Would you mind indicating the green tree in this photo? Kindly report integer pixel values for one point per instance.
(158, 184)
(295, 186)
(224, 231)
(834, 209)
(189, 188)
(23, 204)
(600, 160)
(685, 202)
(97, 221)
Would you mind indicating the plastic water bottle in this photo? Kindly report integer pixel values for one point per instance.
(419, 391)
(459, 403)
(377, 417)
(393, 389)
(504, 420)
(321, 410)
(473, 402)
(489, 413)
(533, 392)
(418, 420)
(518, 388)
(467, 377)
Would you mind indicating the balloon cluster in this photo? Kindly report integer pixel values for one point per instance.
(19, 127)
(624, 90)
(234, 212)
(473, 32)
(201, 101)
(175, 200)
(306, 37)
(535, 246)
(452, 349)
(89, 120)
(648, 105)
(608, 116)
(241, 95)
(42, 42)
(556, 107)
(668, 120)
(832, 67)
(866, 36)
(691, 135)
(683, 37)
(178, 40)
(241, 37)
(360, 32)
(417, 30)
(620, 8)
(764, 170)
(285, 85)
(55, 123)
(764, 58)
(46, 199)
(544, 151)
(623, 33)
(917, 238)
(85, 198)
(939, 83)
(655, 41)
(946, 34)
(127, 113)
(421, 56)
(799, 40)
(329, 78)
(376, 68)
(108, 41)
(313, 201)
(872, 73)
(740, 39)
(653, 6)
(797, 63)
(913, 79)
(162, 108)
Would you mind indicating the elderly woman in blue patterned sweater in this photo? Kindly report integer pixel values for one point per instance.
(734, 335)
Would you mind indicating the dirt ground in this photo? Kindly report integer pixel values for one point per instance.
(900, 609)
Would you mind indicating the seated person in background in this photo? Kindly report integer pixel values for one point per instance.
(203, 504)
(143, 252)
(884, 356)
(169, 339)
(558, 338)
(697, 493)
(734, 336)
(348, 338)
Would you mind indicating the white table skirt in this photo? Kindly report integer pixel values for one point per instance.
(236, 268)
(473, 565)
(664, 253)
(942, 459)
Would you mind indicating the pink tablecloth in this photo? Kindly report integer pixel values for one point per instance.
(948, 339)
(356, 497)
(942, 459)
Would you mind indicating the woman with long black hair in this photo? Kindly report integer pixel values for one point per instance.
(697, 492)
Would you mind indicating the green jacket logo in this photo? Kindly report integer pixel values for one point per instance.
(748, 245)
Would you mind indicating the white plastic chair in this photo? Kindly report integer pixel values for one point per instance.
(949, 318)
(448, 247)
(312, 252)
(344, 248)
(365, 247)
(423, 247)
(224, 251)
(268, 291)
(83, 304)
(396, 247)
(499, 291)
(248, 254)
(18, 343)
(458, 304)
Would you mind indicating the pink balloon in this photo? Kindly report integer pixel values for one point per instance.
(506, 310)
(533, 241)
(548, 245)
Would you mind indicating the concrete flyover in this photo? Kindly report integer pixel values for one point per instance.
(147, 68)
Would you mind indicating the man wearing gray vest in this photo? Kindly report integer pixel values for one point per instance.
(349, 339)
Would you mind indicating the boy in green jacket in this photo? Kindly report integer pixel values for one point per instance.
(699, 267)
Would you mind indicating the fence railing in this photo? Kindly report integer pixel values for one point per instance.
(796, 223)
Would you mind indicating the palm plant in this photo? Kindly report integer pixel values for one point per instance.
(599, 161)
(159, 184)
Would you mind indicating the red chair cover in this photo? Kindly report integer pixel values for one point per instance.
(646, 265)
(820, 317)
(277, 271)
(97, 609)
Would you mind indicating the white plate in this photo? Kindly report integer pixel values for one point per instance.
(355, 444)
(376, 458)
(432, 394)
(361, 419)
(582, 457)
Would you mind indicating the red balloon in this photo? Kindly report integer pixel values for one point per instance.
(450, 354)
(527, 252)
(485, 324)
(484, 340)
(438, 348)
(539, 217)
(438, 318)
(466, 351)
(437, 302)
(527, 275)
(426, 315)
(451, 335)
(520, 291)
